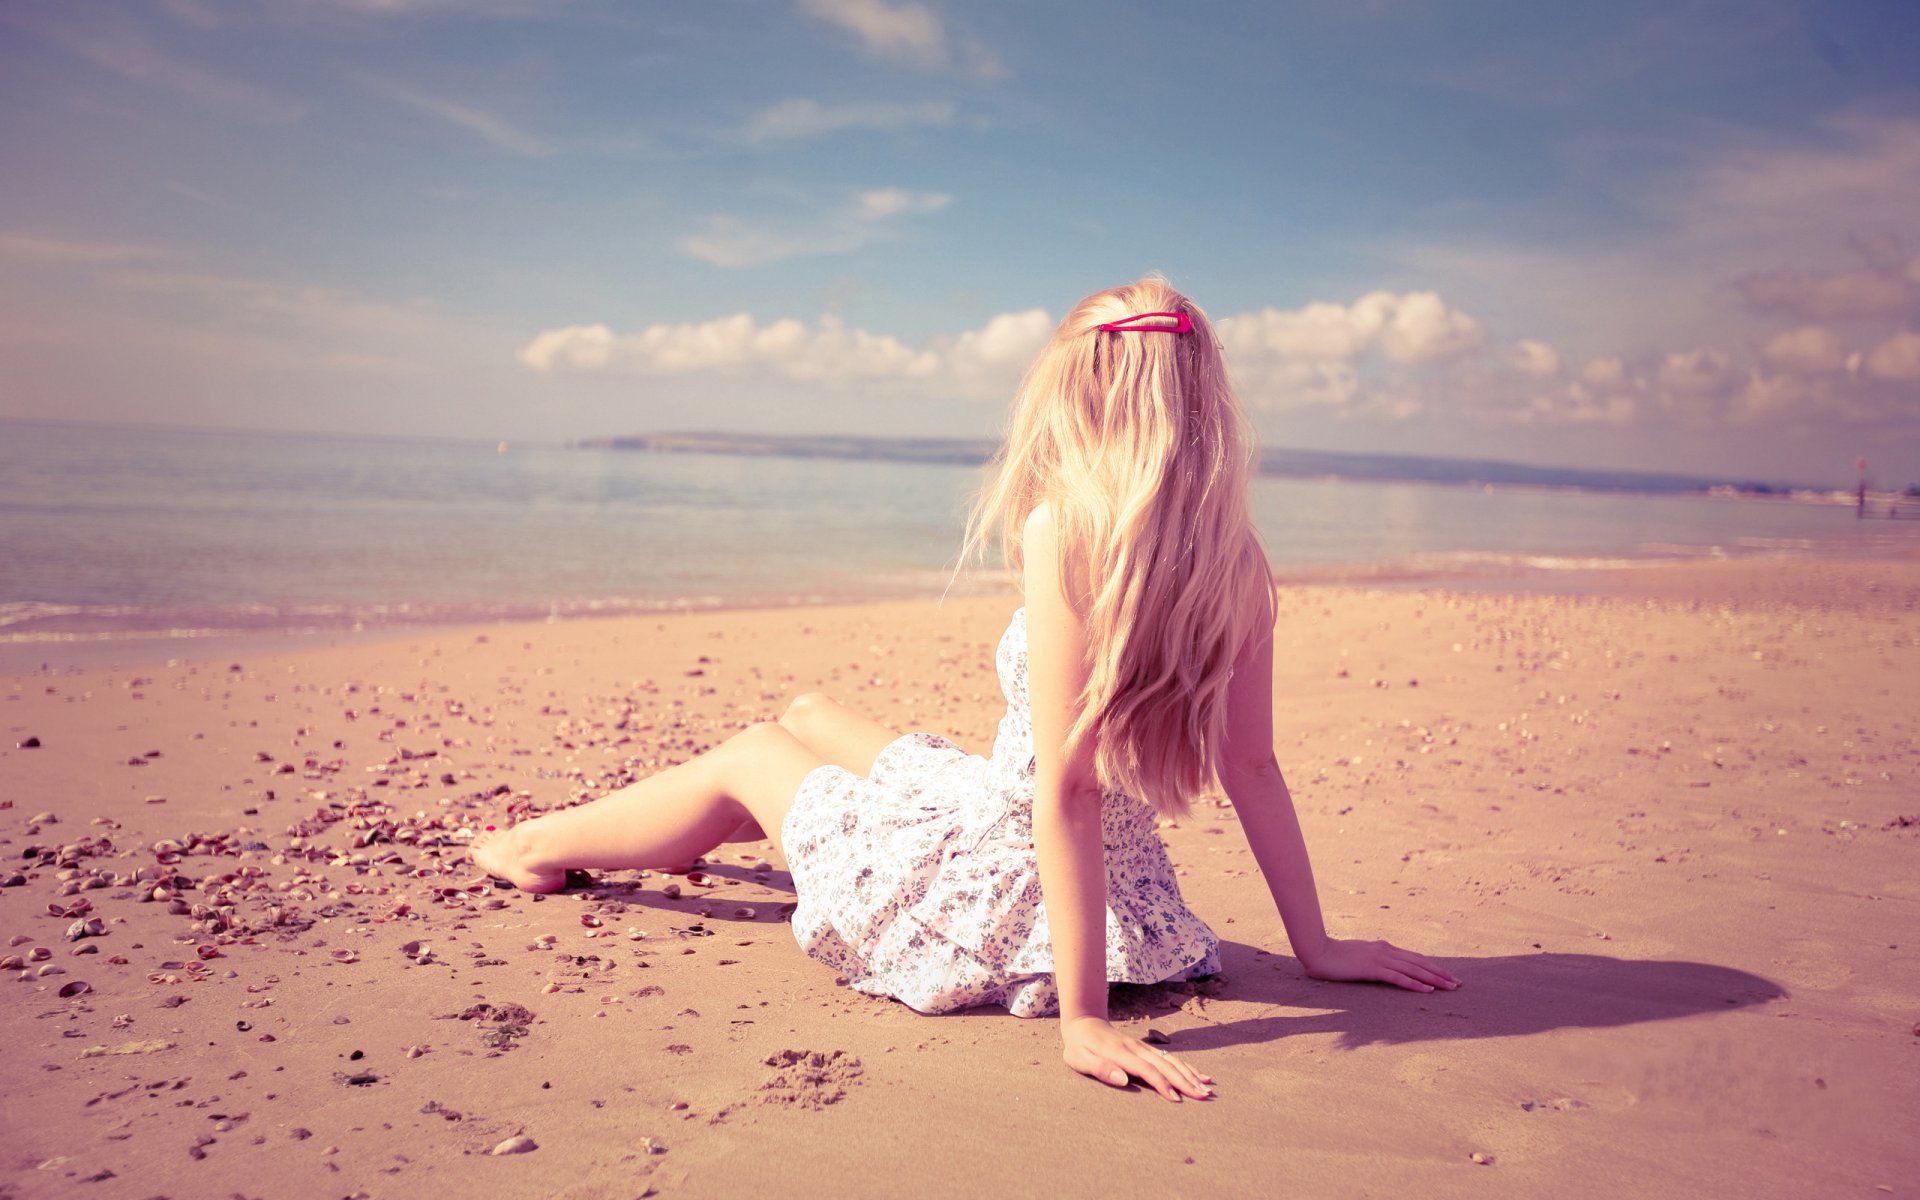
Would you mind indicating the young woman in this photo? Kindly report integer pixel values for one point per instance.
(1138, 675)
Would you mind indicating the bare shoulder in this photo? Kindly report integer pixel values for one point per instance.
(1041, 524)
(1052, 582)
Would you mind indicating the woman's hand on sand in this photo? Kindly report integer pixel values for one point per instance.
(1384, 962)
(1099, 1051)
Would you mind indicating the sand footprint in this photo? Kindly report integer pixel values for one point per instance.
(810, 1078)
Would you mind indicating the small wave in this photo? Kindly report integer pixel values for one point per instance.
(1540, 562)
(14, 612)
(47, 637)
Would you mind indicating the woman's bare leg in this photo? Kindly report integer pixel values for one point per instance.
(834, 733)
(669, 818)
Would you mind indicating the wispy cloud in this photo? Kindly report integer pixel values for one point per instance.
(213, 14)
(1666, 43)
(170, 308)
(803, 118)
(481, 124)
(907, 32)
(306, 308)
(730, 241)
(1717, 260)
(115, 46)
(33, 248)
(214, 200)
(884, 203)
(1829, 295)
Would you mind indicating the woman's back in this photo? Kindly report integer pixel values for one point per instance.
(1127, 439)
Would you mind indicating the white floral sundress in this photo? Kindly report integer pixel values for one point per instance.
(920, 882)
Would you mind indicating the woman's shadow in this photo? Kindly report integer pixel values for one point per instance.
(1499, 997)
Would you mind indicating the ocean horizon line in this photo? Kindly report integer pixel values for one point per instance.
(1276, 462)
(1279, 462)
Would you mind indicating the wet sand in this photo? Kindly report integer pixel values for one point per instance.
(1670, 837)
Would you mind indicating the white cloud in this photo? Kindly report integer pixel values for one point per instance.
(1317, 332)
(1806, 350)
(1299, 383)
(1580, 405)
(983, 362)
(1416, 327)
(1603, 391)
(1695, 372)
(828, 351)
(1693, 385)
(1765, 397)
(483, 125)
(1897, 358)
(1534, 358)
(1608, 373)
(1420, 327)
(1311, 356)
(999, 351)
(803, 118)
(728, 241)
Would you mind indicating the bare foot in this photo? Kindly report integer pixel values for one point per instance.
(503, 853)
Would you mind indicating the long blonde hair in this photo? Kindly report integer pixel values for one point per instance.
(1135, 441)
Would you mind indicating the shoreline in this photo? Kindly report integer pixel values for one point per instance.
(1491, 574)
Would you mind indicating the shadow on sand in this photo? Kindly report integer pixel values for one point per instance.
(1499, 997)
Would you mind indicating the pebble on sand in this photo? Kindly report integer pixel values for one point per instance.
(148, 1047)
(515, 1145)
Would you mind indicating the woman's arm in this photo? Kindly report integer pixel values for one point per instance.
(1066, 833)
(1251, 775)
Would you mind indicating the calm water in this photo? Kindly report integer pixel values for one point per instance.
(112, 533)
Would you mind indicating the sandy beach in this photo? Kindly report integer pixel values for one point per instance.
(1669, 836)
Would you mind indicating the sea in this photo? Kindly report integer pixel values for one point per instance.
(148, 540)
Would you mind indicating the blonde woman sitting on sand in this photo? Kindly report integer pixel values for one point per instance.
(1141, 666)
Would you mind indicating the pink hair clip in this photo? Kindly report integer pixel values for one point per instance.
(1182, 324)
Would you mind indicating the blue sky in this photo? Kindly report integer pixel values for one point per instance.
(1674, 236)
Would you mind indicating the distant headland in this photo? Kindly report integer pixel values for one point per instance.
(1274, 461)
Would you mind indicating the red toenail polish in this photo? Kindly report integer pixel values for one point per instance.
(489, 829)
